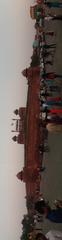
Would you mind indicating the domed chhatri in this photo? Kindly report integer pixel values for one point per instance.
(20, 175)
(16, 112)
(24, 72)
(14, 138)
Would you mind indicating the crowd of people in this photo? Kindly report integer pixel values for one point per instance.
(50, 91)
(50, 98)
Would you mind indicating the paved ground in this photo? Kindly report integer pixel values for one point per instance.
(52, 177)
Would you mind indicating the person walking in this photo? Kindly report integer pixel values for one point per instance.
(40, 30)
(54, 234)
(53, 4)
(49, 62)
(50, 33)
(42, 169)
(51, 235)
(54, 88)
(48, 106)
(57, 111)
(53, 215)
(47, 46)
(45, 93)
(53, 17)
(51, 75)
(43, 148)
(54, 119)
(53, 102)
(56, 99)
(54, 110)
(40, 203)
(46, 53)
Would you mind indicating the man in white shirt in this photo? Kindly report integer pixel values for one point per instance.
(54, 235)
(51, 235)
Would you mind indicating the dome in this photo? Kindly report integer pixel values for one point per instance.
(24, 72)
(14, 138)
(20, 175)
(16, 111)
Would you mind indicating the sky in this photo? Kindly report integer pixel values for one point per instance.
(16, 37)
